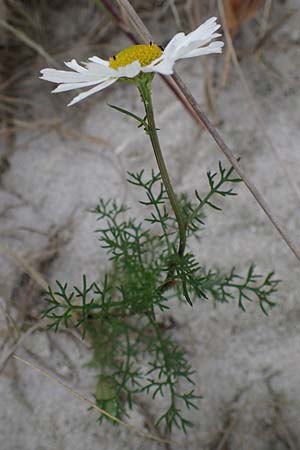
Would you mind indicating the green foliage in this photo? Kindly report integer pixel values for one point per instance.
(133, 353)
(218, 184)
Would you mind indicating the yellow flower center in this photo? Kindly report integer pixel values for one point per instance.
(144, 53)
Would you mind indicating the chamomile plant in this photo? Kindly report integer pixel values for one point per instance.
(133, 352)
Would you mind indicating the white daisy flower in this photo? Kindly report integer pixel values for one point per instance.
(134, 60)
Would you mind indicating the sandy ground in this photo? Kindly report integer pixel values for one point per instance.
(248, 365)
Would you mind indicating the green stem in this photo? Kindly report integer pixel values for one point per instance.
(145, 91)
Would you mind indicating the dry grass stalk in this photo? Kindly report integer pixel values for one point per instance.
(203, 119)
(258, 116)
(5, 358)
(238, 11)
(90, 403)
(28, 41)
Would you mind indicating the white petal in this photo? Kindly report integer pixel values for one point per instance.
(163, 66)
(69, 86)
(182, 45)
(186, 50)
(129, 71)
(213, 47)
(63, 76)
(104, 71)
(92, 91)
(95, 73)
(100, 61)
(204, 31)
(190, 45)
(174, 43)
(75, 66)
(195, 43)
(58, 76)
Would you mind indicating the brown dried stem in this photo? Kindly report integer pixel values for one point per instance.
(139, 26)
(91, 404)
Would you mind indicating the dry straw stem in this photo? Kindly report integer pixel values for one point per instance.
(48, 125)
(203, 119)
(28, 268)
(34, 274)
(27, 41)
(269, 33)
(11, 323)
(171, 83)
(41, 282)
(265, 17)
(91, 404)
(257, 114)
(21, 339)
(238, 11)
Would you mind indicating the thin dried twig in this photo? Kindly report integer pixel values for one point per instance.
(252, 102)
(261, 42)
(226, 434)
(265, 17)
(284, 432)
(28, 268)
(28, 41)
(171, 84)
(150, 420)
(234, 162)
(91, 404)
(11, 323)
(21, 339)
(203, 119)
(175, 13)
(135, 20)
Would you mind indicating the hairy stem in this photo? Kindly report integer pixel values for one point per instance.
(145, 91)
(185, 95)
